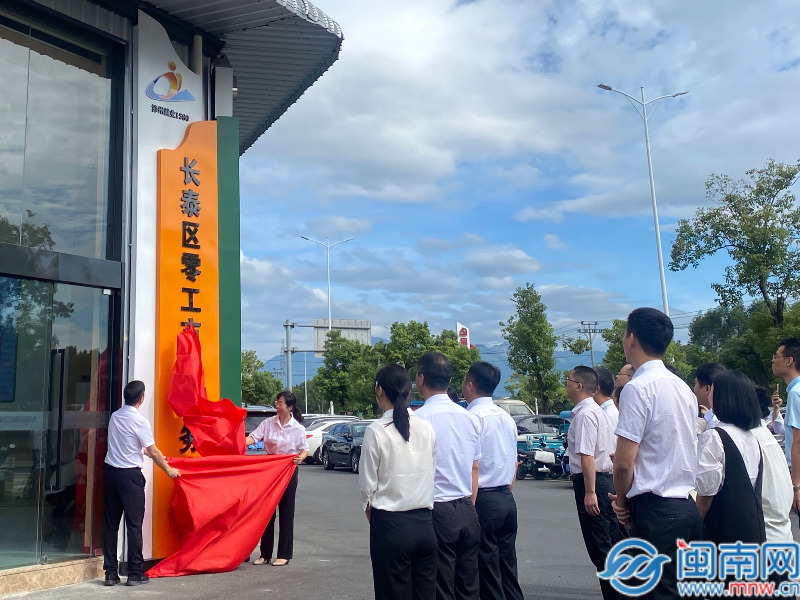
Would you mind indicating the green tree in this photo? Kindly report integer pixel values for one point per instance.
(757, 224)
(407, 342)
(532, 343)
(258, 387)
(711, 330)
(614, 359)
(347, 376)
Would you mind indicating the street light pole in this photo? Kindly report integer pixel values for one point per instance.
(328, 245)
(643, 114)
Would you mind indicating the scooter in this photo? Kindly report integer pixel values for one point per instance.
(551, 461)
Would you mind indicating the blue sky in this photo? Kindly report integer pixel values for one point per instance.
(468, 149)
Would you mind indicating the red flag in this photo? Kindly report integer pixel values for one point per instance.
(217, 427)
(221, 506)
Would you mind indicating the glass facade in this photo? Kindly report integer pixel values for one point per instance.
(55, 111)
(59, 342)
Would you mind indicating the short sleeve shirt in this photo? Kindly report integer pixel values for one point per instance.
(792, 420)
(590, 434)
(457, 446)
(281, 439)
(658, 411)
(128, 434)
(497, 465)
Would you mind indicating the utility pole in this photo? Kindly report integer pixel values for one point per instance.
(590, 329)
(288, 326)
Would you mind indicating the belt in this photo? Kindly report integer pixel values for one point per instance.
(497, 488)
(579, 476)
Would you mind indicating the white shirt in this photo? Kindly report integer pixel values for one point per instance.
(128, 434)
(590, 433)
(776, 485)
(281, 439)
(498, 435)
(457, 446)
(775, 425)
(394, 474)
(658, 411)
(612, 412)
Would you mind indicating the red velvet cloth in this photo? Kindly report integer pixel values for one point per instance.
(221, 506)
(217, 427)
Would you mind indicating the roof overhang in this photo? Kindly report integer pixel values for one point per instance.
(277, 48)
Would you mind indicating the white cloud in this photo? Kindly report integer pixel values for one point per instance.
(498, 261)
(338, 225)
(553, 242)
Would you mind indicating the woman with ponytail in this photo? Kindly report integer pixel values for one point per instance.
(396, 480)
(282, 434)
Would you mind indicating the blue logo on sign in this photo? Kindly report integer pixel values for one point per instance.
(642, 562)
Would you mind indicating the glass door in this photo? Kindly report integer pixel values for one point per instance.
(56, 371)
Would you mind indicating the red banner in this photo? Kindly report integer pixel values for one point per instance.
(217, 427)
(221, 506)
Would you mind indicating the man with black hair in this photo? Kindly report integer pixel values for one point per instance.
(129, 433)
(602, 396)
(786, 365)
(656, 452)
(590, 443)
(703, 380)
(497, 510)
(455, 484)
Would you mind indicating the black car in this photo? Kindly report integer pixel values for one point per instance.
(341, 446)
(255, 415)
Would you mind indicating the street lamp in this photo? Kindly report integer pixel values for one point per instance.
(643, 114)
(327, 245)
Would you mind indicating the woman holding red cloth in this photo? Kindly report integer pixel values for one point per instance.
(282, 434)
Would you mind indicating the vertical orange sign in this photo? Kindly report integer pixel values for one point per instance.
(187, 291)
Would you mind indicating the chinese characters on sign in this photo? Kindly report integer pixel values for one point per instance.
(190, 207)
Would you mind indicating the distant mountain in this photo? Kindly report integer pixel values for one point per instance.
(495, 354)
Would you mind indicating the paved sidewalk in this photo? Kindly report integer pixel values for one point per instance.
(332, 552)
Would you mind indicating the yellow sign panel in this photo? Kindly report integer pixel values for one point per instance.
(187, 292)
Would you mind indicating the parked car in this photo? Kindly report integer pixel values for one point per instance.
(314, 435)
(341, 446)
(255, 415)
(514, 407)
(541, 424)
(309, 420)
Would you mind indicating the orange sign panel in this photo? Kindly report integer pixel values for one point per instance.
(187, 292)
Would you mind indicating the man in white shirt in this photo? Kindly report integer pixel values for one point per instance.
(656, 452)
(455, 484)
(129, 433)
(497, 510)
(786, 365)
(602, 396)
(590, 443)
(703, 380)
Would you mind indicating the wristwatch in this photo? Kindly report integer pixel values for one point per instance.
(796, 487)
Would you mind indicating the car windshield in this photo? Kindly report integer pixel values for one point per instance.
(318, 425)
(358, 430)
(253, 421)
(518, 409)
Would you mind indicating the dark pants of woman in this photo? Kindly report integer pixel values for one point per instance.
(285, 513)
(402, 546)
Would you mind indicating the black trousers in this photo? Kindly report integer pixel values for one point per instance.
(123, 492)
(497, 557)
(402, 547)
(285, 512)
(600, 533)
(458, 537)
(661, 521)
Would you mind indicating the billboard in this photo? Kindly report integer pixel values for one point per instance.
(359, 330)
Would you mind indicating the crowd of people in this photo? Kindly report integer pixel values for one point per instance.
(681, 463)
(650, 458)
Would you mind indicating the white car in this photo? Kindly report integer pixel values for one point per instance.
(314, 436)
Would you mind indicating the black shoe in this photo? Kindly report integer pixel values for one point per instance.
(137, 580)
(112, 579)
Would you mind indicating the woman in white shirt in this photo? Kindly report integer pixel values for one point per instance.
(733, 463)
(282, 434)
(396, 480)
